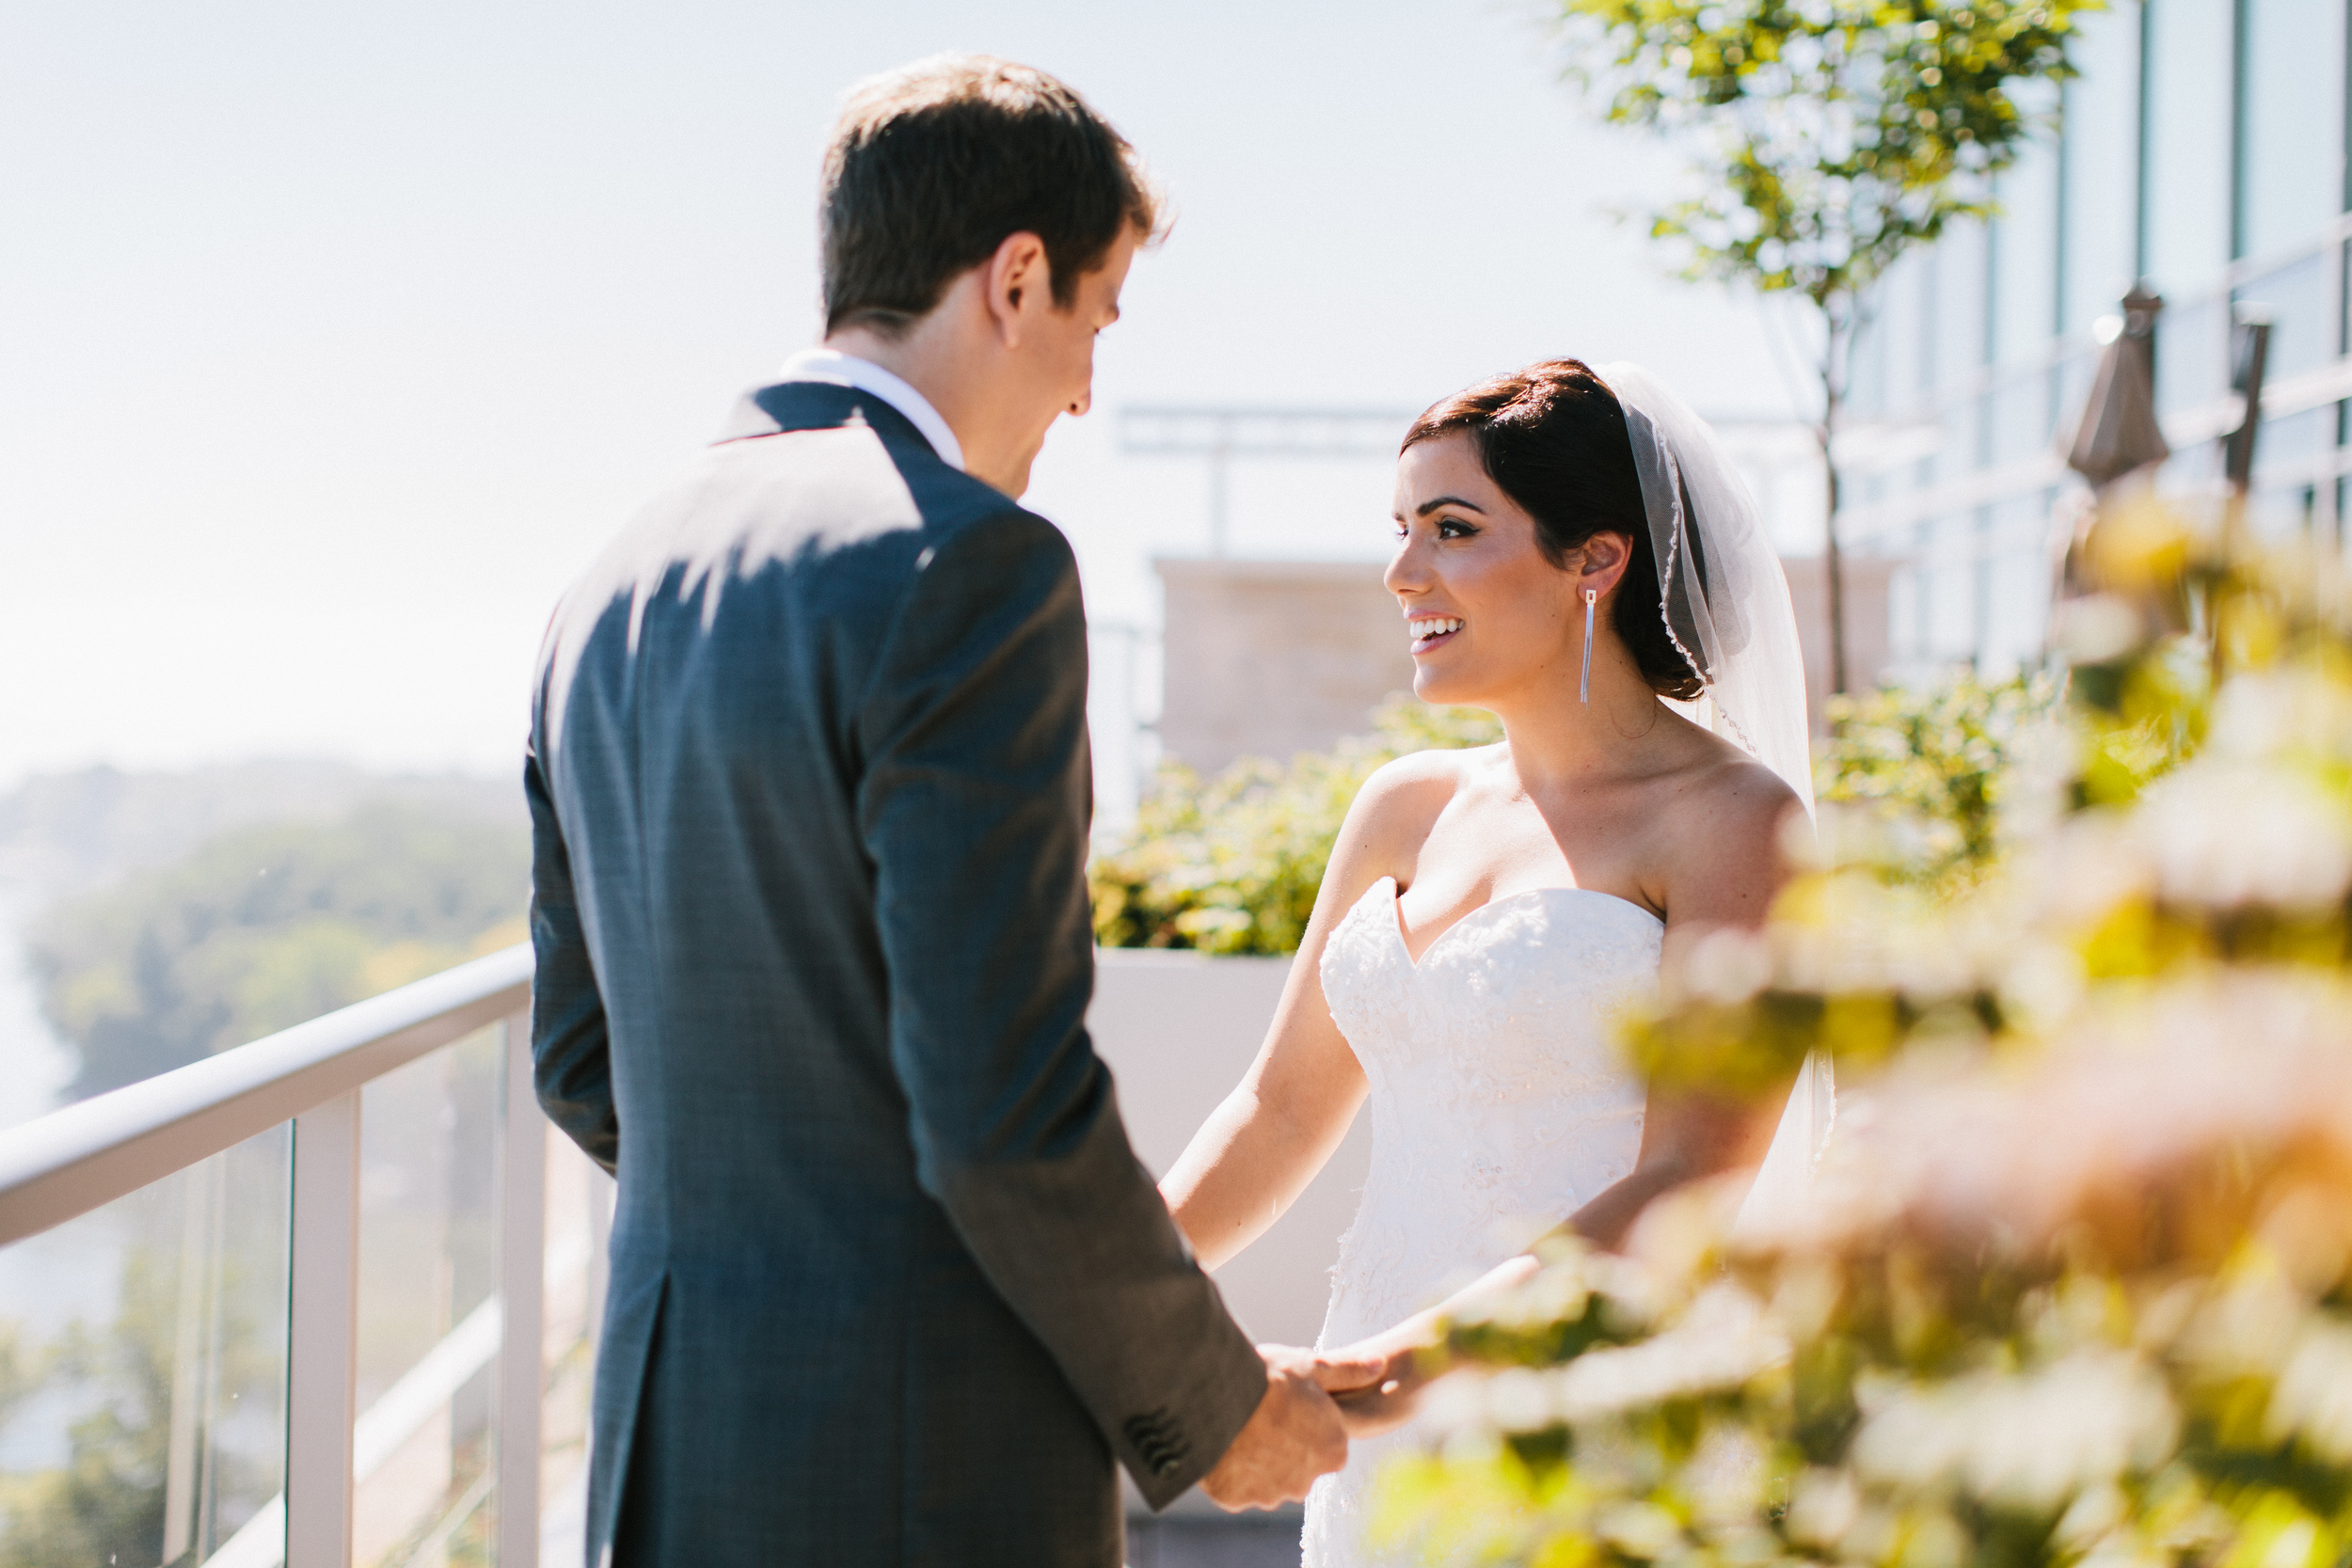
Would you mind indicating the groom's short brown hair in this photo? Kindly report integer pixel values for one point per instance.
(932, 166)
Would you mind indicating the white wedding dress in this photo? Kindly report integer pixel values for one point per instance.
(1500, 1105)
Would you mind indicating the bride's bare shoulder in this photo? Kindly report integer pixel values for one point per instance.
(1415, 787)
(1395, 809)
(1723, 835)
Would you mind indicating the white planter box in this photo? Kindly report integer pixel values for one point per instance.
(1178, 1030)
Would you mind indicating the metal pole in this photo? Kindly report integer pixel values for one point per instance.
(2253, 353)
(187, 1412)
(322, 1353)
(522, 1291)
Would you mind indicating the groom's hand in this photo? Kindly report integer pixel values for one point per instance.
(1295, 1435)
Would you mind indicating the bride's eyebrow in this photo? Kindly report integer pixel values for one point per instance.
(1427, 507)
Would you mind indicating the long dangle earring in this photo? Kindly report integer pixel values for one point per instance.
(1584, 681)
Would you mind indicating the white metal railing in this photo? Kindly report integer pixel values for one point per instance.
(83, 1156)
(2218, 410)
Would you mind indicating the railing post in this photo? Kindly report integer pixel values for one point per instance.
(522, 1288)
(323, 1341)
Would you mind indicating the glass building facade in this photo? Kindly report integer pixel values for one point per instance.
(2202, 148)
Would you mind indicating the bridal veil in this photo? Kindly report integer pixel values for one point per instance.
(1726, 607)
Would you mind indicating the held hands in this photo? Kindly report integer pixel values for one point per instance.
(1295, 1435)
(1375, 1383)
(1314, 1405)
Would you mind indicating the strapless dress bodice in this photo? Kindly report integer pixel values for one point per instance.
(1500, 1105)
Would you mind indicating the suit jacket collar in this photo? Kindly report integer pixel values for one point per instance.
(847, 370)
(787, 405)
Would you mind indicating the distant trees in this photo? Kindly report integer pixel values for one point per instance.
(184, 1370)
(264, 927)
(257, 929)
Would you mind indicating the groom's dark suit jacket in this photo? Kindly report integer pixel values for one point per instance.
(810, 786)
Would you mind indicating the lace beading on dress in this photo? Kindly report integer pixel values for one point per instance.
(1500, 1105)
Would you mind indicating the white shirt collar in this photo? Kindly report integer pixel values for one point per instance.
(847, 370)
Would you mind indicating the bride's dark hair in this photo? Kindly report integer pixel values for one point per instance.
(1552, 436)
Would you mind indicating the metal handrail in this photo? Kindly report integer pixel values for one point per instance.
(75, 1160)
(78, 1159)
(1930, 407)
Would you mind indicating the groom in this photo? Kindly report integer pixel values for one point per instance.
(809, 785)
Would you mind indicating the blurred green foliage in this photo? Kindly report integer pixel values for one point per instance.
(2074, 1285)
(1231, 864)
(264, 928)
(1936, 765)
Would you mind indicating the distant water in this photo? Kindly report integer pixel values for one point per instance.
(34, 1064)
(62, 1274)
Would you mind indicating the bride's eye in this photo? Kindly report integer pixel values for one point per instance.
(1453, 528)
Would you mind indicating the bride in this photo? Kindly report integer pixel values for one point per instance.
(1574, 555)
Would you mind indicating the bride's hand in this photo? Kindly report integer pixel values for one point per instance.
(1376, 1382)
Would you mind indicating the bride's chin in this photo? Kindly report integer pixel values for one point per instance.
(1438, 689)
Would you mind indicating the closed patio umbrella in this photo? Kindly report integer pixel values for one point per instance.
(2118, 433)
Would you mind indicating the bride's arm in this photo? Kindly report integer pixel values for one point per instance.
(1260, 1148)
(1724, 867)
(1684, 1138)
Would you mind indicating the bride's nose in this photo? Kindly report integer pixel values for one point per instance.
(1408, 568)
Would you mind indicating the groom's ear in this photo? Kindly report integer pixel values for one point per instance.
(1014, 280)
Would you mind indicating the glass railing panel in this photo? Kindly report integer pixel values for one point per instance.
(143, 1372)
(2072, 382)
(1947, 569)
(1902, 612)
(2017, 574)
(1963, 446)
(2283, 511)
(424, 1454)
(2291, 460)
(2018, 409)
(2300, 297)
(2293, 444)
(579, 1224)
(2192, 355)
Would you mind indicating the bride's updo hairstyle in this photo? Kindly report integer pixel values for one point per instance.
(1553, 438)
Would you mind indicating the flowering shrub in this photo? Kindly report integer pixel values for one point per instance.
(1936, 765)
(2077, 1285)
(1231, 866)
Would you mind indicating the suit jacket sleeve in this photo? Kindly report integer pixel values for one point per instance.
(570, 1049)
(972, 806)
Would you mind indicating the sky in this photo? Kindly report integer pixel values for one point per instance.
(335, 340)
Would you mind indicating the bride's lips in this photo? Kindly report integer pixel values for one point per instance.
(1430, 632)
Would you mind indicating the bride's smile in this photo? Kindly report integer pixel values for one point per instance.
(1430, 632)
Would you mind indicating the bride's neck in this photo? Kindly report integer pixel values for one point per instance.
(1557, 738)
